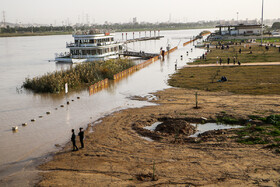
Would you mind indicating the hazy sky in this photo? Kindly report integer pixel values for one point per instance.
(99, 11)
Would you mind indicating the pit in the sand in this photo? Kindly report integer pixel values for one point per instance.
(181, 131)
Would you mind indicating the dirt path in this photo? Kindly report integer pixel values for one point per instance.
(116, 155)
(243, 64)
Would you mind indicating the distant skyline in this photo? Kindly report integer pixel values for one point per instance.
(57, 12)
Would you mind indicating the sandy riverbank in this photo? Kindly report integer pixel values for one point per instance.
(116, 155)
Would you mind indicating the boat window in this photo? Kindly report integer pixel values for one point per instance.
(100, 51)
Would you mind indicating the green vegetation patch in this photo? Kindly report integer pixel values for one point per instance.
(269, 40)
(255, 80)
(267, 132)
(253, 140)
(77, 77)
(259, 54)
(226, 119)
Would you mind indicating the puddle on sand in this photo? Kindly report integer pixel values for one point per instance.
(151, 97)
(97, 122)
(150, 128)
(153, 126)
(147, 138)
(201, 128)
(91, 126)
(90, 129)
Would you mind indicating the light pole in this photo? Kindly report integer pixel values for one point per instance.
(237, 16)
(262, 25)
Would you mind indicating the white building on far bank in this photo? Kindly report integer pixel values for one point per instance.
(240, 29)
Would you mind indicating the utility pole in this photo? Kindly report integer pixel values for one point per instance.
(4, 18)
(262, 25)
(237, 16)
(169, 18)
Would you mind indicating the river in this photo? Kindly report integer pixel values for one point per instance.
(22, 57)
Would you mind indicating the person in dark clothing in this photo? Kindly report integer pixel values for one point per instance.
(267, 48)
(73, 139)
(162, 54)
(221, 61)
(240, 50)
(223, 79)
(228, 60)
(81, 135)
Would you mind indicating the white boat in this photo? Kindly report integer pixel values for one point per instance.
(93, 45)
(199, 44)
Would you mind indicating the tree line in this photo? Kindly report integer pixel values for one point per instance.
(116, 27)
(119, 27)
(33, 29)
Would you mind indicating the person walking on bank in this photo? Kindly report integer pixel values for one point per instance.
(81, 135)
(73, 139)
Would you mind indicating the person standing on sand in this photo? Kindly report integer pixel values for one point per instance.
(73, 139)
(81, 135)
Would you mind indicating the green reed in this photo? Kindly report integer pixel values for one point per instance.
(77, 77)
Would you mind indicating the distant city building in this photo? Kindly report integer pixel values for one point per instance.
(134, 20)
(240, 29)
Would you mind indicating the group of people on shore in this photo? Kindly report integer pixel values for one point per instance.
(73, 139)
(228, 61)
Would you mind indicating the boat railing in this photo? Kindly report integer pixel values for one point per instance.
(89, 44)
(93, 32)
(70, 44)
(96, 55)
(60, 55)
